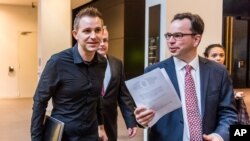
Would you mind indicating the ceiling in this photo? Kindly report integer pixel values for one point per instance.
(18, 2)
(74, 3)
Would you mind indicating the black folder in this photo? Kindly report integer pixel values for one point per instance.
(53, 129)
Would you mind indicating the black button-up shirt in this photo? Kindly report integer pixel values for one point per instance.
(75, 88)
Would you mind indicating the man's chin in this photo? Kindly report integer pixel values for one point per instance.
(92, 50)
(101, 53)
(174, 54)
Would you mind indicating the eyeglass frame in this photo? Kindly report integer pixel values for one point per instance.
(174, 35)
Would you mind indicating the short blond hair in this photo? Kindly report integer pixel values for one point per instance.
(89, 11)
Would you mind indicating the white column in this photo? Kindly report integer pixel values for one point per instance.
(54, 29)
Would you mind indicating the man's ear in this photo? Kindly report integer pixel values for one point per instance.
(74, 33)
(197, 40)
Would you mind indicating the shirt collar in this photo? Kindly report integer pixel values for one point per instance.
(76, 55)
(78, 59)
(179, 64)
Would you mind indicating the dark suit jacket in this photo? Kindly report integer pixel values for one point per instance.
(117, 93)
(217, 103)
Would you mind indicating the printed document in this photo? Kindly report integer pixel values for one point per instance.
(154, 90)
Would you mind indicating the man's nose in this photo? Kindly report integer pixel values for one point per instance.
(171, 38)
(93, 34)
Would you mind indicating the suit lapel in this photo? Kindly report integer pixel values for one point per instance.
(204, 78)
(170, 69)
(111, 65)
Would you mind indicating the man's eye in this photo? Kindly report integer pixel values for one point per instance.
(178, 35)
(87, 31)
(98, 30)
(105, 40)
(168, 35)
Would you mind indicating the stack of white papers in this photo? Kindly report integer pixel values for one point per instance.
(154, 90)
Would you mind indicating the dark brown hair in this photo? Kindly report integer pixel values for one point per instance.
(208, 48)
(196, 21)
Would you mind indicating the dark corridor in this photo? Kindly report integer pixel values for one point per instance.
(236, 39)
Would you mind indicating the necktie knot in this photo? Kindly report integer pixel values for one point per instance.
(188, 68)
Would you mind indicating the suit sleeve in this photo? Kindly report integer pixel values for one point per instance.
(126, 102)
(227, 114)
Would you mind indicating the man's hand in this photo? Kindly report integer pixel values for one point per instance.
(132, 132)
(212, 137)
(102, 134)
(239, 95)
(144, 115)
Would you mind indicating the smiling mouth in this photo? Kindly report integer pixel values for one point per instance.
(173, 49)
(93, 44)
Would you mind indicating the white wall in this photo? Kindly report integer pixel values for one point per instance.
(77, 3)
(52, 22)
(13, 21)
(54, 28)
(209, 10)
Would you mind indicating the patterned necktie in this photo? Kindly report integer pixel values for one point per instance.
(193, 115)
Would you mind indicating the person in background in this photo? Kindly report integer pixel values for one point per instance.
(216, 52)
(203, 86)
(73, 79)
(115, 92)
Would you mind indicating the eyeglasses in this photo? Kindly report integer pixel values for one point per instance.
(177, 36)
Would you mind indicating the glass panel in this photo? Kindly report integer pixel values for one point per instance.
(154, 34)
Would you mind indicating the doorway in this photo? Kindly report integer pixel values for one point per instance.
(236, 34)
(28, 64)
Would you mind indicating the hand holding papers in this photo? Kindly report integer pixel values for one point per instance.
(155, 91)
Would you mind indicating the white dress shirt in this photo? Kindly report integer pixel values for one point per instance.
(107, 76)
(180, 72)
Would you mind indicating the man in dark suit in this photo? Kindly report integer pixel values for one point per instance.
(115, 92)
(213, 89)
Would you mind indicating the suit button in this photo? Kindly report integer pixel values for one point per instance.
(181, 121)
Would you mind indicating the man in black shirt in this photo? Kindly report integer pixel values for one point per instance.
(73, 79)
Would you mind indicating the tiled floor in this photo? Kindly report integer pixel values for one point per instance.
(15, 117)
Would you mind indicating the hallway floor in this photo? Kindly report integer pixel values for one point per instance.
(15, 121)
(16, 114)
